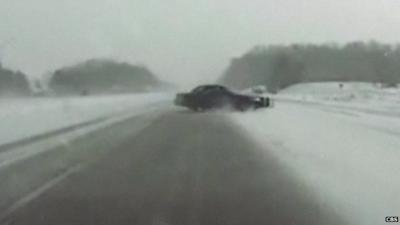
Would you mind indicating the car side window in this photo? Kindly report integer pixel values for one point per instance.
(215, 92)
(210, 91)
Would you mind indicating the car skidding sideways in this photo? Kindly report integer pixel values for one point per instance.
(213, 97)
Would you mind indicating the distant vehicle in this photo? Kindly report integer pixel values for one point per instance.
(211, 97)
(261, 89)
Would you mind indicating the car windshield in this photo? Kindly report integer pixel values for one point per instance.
(199, 89)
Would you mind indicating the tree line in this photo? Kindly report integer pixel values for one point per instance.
(13, 83)
(99, 76)
(279, 66)
(96, 76)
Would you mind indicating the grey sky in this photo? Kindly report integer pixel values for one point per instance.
(186, 41)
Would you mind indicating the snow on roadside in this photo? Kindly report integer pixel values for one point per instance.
(22, 118)
(349, 160)
(26, 151)
(367, 97)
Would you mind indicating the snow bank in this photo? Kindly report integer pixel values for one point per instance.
(367, 97)
(329, 87)
(350, 160)
(342, 91)
(22, 118)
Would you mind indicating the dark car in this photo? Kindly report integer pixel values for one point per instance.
(209, 97)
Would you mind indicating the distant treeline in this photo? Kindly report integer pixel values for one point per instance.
(13, 83)
(280, 66)
(96, 76)
(100, 76)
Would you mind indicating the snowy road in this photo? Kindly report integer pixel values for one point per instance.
(349, 157)
(292, 164)
(26, 117)
(182, 168)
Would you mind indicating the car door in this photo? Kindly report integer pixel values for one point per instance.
(217, 98)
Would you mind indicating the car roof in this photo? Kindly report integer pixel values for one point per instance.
(208, 87)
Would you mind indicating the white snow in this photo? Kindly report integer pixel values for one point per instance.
(348, 156)
(23, 152)
(356, 95)
(23, 118)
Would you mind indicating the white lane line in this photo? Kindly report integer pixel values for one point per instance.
(36, 193)
(24, 152)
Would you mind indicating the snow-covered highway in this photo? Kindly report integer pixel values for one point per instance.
(304, 161)
(349, 158)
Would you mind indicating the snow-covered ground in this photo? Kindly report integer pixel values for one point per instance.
(368, 97)
(23, 118)
(348, 155)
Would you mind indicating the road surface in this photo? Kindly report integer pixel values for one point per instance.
(182, 169)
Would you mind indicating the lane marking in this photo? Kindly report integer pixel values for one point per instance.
(4, 217)
(8, 158)
(49, 134)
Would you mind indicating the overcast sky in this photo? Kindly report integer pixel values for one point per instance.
(185, 41)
